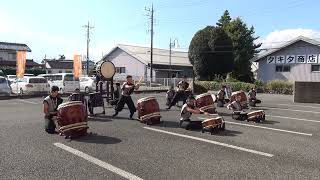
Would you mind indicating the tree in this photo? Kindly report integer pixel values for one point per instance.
(210, 53)
(224, 20)
(244, 49)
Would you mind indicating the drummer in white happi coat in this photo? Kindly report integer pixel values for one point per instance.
(186, 111)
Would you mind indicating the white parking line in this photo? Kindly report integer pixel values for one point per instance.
(98, 162)
(296, 110)
(284, 117)
(212, 142)
(262, 127)
(30, 102)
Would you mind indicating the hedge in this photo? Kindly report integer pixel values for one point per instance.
(12, 71)
(280, 87)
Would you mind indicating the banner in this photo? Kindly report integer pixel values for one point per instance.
(21, 63)
(77, 66)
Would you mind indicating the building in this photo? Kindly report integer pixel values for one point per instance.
(135, 60)
(53, 66)
(8, 55)
(295, 60)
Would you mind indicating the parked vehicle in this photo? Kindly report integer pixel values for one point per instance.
(13, 78)
(5, 89)
(87, 84)
(65, 81)
(30, 85)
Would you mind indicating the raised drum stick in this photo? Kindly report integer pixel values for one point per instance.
(140, 80)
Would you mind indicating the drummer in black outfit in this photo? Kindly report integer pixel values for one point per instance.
(125, 98)
(183, 85)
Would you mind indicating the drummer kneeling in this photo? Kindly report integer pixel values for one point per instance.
(237, 109)
(50, 105)
(186, 111)
(253, 97)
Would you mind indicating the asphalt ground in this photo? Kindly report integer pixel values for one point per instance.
(285, 146)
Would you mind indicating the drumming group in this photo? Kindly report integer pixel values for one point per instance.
(70, 118)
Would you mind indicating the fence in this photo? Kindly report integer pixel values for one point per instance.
(157, 84)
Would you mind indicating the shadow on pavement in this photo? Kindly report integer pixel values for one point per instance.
(97, 139)
(99, 119)
(171, 124)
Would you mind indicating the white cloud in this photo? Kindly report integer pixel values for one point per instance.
(278, 37)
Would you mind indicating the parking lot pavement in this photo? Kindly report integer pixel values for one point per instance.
(284, 147)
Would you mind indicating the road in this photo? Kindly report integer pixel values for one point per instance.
(286, 146)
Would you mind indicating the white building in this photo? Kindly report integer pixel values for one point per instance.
(296, 60)
(54, 66)
(135, 60)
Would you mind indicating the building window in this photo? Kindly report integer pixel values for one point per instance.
(12, 56)
(120, 70)
(60, 71)
(49, 71)
(283, 68)
(315, 68)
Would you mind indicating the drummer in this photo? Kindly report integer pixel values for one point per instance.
(253, 97)
(125, 98)
(186, 111)
(221, 96)
(237, 108)
(169, 95)
(183, 85)
(50, 105)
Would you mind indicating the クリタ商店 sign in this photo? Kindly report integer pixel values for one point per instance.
(292, 59)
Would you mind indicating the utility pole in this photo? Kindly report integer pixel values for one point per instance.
(170, 72)
(171, 45)
(88, 27)
(151, 12)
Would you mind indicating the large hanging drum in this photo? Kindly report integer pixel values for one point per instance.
(105, 69)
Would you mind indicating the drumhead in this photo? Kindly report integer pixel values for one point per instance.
(202, 95)
(106, 69)
(71, 103)
(253, 112)
(237, 92)
(212, 119)
(146, 99)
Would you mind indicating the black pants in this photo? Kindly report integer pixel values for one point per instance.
(178, 96)
(125, 100)
(49, 126)
(192, 125)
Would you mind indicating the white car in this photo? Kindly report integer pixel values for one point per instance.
(13, 78)
(5, 89)
(65, 81)
(87, 84)
(31, 85)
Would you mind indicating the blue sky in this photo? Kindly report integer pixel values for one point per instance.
(55, 27)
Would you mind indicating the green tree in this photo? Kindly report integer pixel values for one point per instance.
(224, 20)
(244, 49)
(210, 53)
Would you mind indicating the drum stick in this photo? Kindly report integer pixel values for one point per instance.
(213, 114)
(140, 80)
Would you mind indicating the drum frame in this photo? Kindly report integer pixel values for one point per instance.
(214, 128)
(257, 118)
